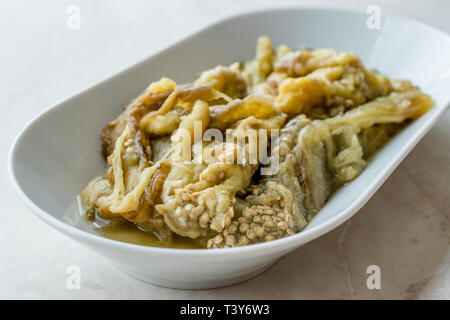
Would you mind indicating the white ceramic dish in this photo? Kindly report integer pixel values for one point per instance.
(58, 153)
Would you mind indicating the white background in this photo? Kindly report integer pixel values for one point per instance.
(43, 62)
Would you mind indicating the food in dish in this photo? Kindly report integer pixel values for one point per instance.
(246, 153)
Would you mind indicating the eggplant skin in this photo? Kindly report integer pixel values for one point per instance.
(332, 114)
(330, 153)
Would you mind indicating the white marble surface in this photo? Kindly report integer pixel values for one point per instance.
(404, 228)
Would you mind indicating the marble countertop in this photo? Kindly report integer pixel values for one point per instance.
(403, 229)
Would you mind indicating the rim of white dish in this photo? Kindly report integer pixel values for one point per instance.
(286, 243)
